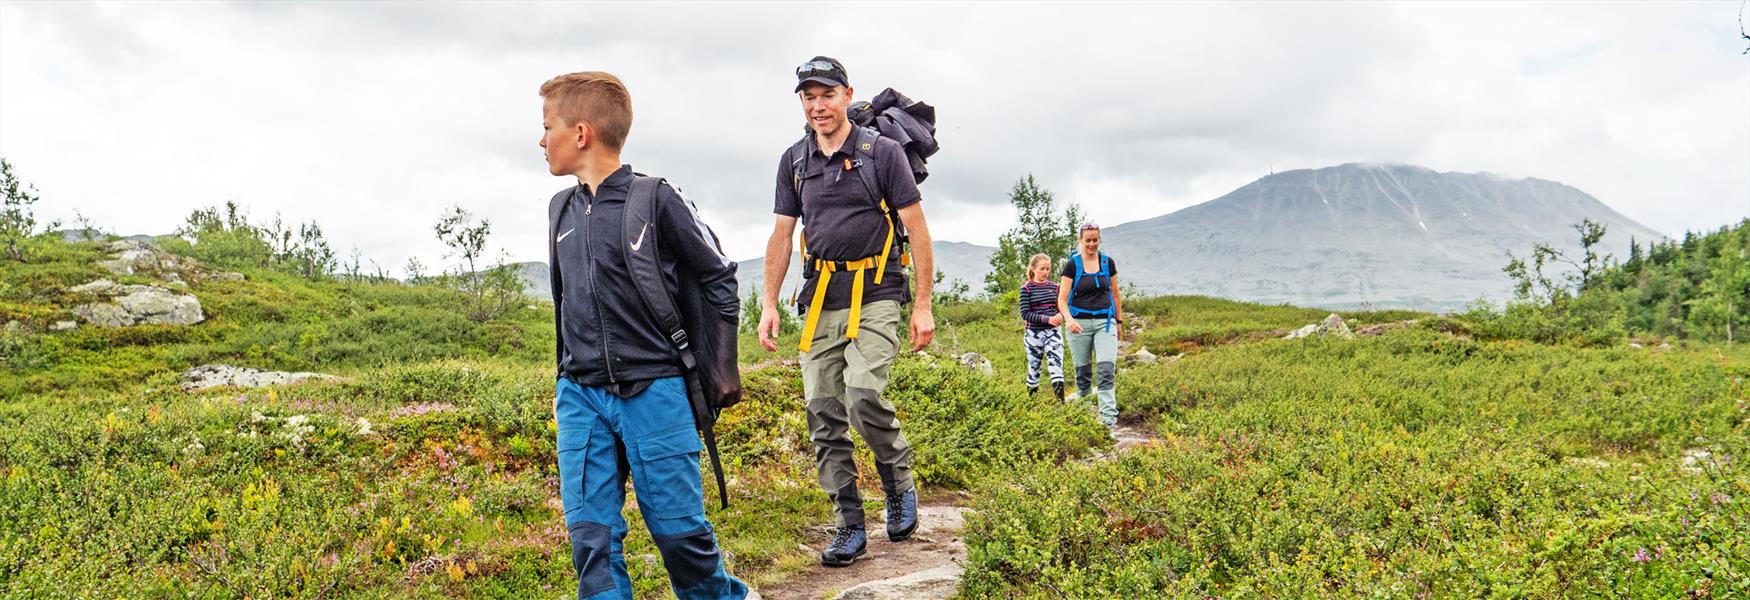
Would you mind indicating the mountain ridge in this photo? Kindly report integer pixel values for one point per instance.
(1384, 235)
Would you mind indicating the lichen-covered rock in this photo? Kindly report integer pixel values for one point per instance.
(138, 257)
(104, 314)
(125, 305)
(977, 362)
(100, 286)
(159, 306)
(132, 257)
(216, 375)
(1333, 325)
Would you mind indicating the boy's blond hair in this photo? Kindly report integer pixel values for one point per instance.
(593, 97)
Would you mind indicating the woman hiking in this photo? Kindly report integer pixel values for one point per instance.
(1042, 338)
(1088, 295)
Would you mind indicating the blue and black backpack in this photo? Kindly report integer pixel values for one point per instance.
(1102, 280)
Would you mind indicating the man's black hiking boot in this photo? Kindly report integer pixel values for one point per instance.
(902, 515)
(850, 543)
(1057, 388)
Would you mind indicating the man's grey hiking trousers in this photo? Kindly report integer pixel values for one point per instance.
(842, 380)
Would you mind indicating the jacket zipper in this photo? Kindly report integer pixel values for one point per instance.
(594, 296)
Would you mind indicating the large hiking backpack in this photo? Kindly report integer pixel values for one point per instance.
(705, 342)
(892, 115)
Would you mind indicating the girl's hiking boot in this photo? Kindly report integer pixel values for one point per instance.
(1057, 388)
(1032, 389)
(850, 543)
(902, 515)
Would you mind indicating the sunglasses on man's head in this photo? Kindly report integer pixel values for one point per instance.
(818, 68)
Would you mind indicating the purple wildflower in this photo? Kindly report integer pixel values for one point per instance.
(1641, 555)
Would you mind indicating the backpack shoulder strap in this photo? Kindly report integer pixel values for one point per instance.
(644, 262)
(797, 155)
(554, 208)
(864, 150)
(1077, 282)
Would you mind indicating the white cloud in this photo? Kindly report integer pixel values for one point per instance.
(371, 118)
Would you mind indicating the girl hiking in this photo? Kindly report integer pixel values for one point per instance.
(1089, 297)
(1042, 339)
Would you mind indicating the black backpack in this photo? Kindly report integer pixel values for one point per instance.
(705, 342)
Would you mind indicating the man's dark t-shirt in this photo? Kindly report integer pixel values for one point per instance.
(1089, 295)
(840, 219)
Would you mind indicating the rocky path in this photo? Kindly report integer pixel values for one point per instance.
(926, 567)
(923, 567)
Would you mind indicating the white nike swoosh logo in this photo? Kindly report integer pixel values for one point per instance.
(640, 241)
(562, 235)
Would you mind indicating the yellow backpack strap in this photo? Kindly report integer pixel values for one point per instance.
(856, 315)
(813, 319)
(881, 267)
(854, 320)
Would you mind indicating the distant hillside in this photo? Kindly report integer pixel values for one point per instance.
(1389, 236)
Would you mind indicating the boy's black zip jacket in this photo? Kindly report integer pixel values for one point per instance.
(605, 335)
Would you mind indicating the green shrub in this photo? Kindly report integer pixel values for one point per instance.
(1411, 463)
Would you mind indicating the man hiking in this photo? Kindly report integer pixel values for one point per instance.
(848, 186)
(622, 404)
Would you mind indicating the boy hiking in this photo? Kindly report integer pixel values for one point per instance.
(848, 186)
(1042, 339)
(622, 403)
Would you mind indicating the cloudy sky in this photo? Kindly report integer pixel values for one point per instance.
(371, 118)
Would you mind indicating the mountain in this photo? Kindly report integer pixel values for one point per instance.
(537, 280)
(1384, 235)
(1387, 236)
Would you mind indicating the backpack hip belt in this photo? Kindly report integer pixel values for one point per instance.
(862, 142)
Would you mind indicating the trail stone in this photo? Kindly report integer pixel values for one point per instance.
(938, 583)
(1302, 332)
(216, 375)
(64, 326)
(1143, 355)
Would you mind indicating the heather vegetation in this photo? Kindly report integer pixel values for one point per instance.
(427, 471)
(1522, 451)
